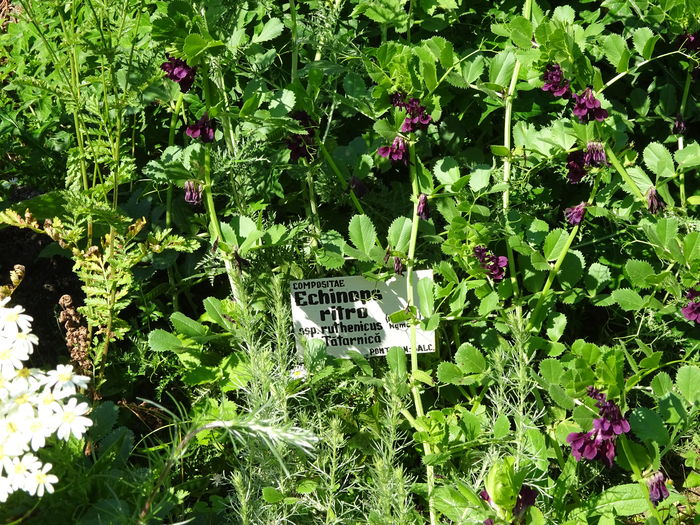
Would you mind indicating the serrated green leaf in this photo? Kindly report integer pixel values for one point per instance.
(624, 500)
(637, 272)
(551, 370)
(647, 425)
(449, 373)
(555, 326)
(446, 171)
(282, 103)
(521, 32)
(272, 495)
(488, 304)
(659, 160)
(362, 234)
(472, 69)
(187, 326)
(555, 243)
(470, 360)
(272, 29)
(689, 157)
(629, 300)
(162, 341)
(426, 298)
(501, 428)
(661, 385)
(688, 383)
(330, 252)
(399, 234)
(616, 51)
(691, 246)
(479, 179)
(641, 38)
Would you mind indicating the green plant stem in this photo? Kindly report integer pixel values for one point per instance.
(557, 265)
(410, 264)
(681, 114)
(295, 51)
(169, 196)
(631, 458)
(623, 173)
(341, 178)
(637, 66)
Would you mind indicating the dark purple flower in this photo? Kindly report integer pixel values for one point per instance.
(203, 129)
(302, 146)
(398, 99)
(358, 187)
(193, 193)
(692, 293)
(416, 117)
(526, 498)
(587, 107)
(657, 488)
(398, 266)
(423, 208)
(575, 165)
(612, 423)
(178, 71)
(595, 155)
(396, 152)
(692, 311)
(654, 201)
(555, 82)
(574, 215)
(488, 521)
(679, 127)
(494, 265)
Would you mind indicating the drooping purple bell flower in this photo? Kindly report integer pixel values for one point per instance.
(554, 81)
(397, 152)
(595, 155)
(654, 202)
(657, 488)
(178, 71)
(203, 129)
(423, 208)
(574, 215)
(416, 118)
(398, 266)
(679, 126)
(575, 165)
(193, 193)
(494, 265)
(587, 107)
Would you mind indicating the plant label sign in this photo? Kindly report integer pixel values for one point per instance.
(352, 313)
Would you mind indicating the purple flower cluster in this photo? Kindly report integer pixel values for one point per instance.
(302, 146)
(679, 127)
(554, 81)
(587, 107)
(594, 155)
(416, 117)
(574, 215)
(657, 488)
(193, 192)
(692, 310)
(178, 71)
(494, 265)
(575, 164)
(397, 152)
(599, 443)
(654, 202)
(526, 498)
(203, 129)
(398, 266)
(423, 208)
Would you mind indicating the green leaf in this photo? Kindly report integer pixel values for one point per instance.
(624, 500)
(555, 243)
(637, 272)
(330, 253)
(307, 486)
(187, 326)
(616, 51)
(658, 159)
(521, 32)
(688, 383)
(555, 326)
(472, 69)
(629, 300)
(282, 103)
(272, 495)
(396, 359)
(400, 234)
(479, 179)
(488, 304)
(194, 45)
(647, 425)
(662, 384)
(446, 171)
(162, 341)
(691, 246)
(426, 66)
(272, 29)
(501, 69)
(693, 480)
(470, 360)
(644, 42)
(501, 428)
(215, 309)
(640, 178)
(456, 505)
(426, 298)
(362, 233)
(689, 157)
(449, 373)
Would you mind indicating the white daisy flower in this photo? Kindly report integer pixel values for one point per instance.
(65, 381)
(71, 419)
(46, 403)
(10, 357)
(13, 435)
(13, 320)
(18, 468)
(39, 429)
(5, 489)
(298, 372)
(26, 341)
(39, 480)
